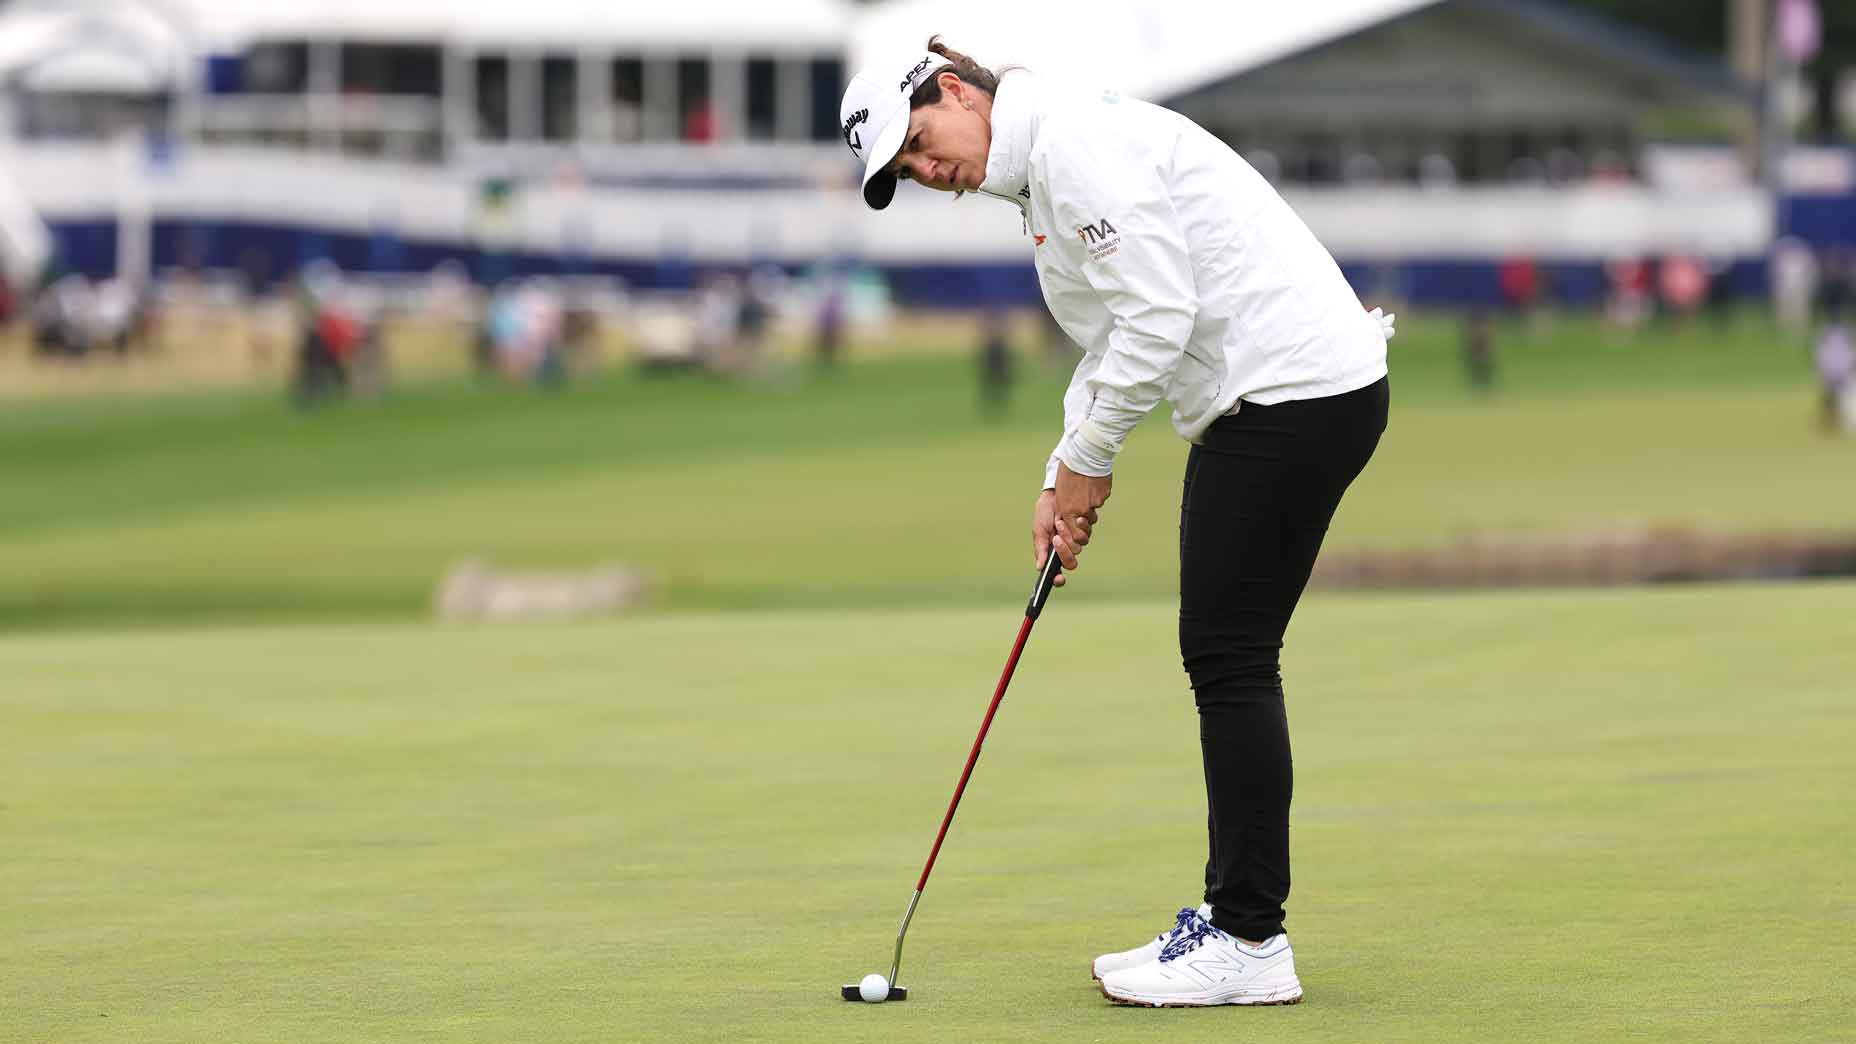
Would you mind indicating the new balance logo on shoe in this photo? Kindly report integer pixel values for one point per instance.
(1213, 967)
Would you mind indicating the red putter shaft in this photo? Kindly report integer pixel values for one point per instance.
(1047, 577)
(1005, 679)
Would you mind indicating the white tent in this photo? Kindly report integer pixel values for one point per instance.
(95, 71)
(527, 24)
(121, 47)
(1151, 49)
(717, 24)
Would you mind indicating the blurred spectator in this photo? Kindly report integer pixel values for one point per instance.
(1682, 284)
(1794, 282)
(329, 334)
(1629, 299)
(718, 320)
(7, 302)
(61, 323)
(523, 333)
(760, 296)
(546, 351)
(73, 316)
(1836, 369)
(829, 335)
(1479, 351)
(1520, 281)
(995, 366)
(579, 329)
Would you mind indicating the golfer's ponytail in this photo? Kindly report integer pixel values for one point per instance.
(960, 65)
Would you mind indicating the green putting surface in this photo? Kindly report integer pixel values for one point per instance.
(1519, 816)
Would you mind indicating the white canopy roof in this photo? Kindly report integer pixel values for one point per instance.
(512, 24)
(720, 24)
(95, 71)
(117, 47)
(1150, 49)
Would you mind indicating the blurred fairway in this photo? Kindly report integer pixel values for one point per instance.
(1519, 817)
(874, 485)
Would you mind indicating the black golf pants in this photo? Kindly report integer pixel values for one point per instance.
(1259, 492)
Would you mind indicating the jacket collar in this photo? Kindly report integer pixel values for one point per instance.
(1016, 111)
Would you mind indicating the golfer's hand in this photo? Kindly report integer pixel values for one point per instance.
(1044, 534)
(1065, 517)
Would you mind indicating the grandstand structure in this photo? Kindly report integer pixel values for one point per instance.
(1428, 139)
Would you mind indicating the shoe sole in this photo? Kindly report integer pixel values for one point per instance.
(1268, 1000)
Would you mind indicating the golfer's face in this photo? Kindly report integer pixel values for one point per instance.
(946, 147)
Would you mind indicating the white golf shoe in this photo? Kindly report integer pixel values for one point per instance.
(1140, 955)
(1202, 966)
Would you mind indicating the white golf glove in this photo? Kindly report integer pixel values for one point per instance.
(1386, 319)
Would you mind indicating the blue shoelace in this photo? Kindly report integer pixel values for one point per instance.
(1180, 923)
(1188, 940)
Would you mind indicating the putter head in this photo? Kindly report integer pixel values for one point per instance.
(896, 993)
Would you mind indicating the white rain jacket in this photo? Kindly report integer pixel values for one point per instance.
(1174, 264)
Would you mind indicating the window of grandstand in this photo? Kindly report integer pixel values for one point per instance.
(492, 80)
(277, 68)
(627, 99)
(827, 88)
(763, 111)
(560, 98)
(696, 116)
(411, 69)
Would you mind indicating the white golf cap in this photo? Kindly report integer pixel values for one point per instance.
(875, 115)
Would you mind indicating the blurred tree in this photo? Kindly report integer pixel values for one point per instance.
(1701, 25)
(1834, 62)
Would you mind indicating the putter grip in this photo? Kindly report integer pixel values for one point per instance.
(1052, 566)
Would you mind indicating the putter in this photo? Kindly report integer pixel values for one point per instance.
(1046, 578)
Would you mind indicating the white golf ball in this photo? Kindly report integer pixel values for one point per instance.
(874, 988)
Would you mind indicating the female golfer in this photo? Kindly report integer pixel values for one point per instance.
(1184, 277)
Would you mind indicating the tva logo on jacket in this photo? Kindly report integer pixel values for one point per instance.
(1101, 239)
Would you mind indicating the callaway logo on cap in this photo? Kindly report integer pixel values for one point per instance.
(875, 117)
